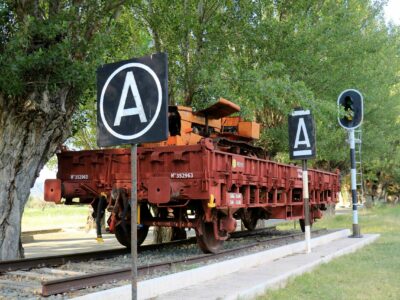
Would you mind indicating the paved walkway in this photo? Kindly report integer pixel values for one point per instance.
(271, 275)
(242, 277)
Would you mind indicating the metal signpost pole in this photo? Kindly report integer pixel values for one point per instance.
(350, 105)
(356, 227)
(119, 86)
(134, 220)
(307, 231)
(302, 147)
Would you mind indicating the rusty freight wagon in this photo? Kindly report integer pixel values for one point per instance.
(206, 176)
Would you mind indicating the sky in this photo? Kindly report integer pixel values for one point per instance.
(392, 13)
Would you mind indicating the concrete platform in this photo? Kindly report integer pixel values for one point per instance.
(246, 276)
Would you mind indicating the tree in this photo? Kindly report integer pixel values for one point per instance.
(48, 54)
(348, 45)
(127, 40)
(270, 56)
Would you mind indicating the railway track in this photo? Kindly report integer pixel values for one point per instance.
(57, 260)
(67, 281)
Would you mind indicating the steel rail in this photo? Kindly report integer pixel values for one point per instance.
(58, 286)
(57, 260)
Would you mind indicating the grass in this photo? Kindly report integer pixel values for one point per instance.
(371, 273)
(54, 216)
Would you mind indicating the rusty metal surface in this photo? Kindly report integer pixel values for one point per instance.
(187, 185)
(193, 172)
(59, 286)
(222, 108)
(203, 171)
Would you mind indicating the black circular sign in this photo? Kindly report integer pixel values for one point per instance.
(123, 111)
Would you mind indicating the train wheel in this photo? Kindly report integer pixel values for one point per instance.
(207, 241)
(250, 219)
(124, 236)
(303, 224)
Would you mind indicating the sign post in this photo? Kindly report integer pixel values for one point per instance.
(306, 198)
(132, 108)
(350, 116)
(302, 146)
(134, 220)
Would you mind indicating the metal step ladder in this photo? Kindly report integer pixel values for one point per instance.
(359, 173)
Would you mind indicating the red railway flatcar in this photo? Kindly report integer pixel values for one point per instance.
(206, 176)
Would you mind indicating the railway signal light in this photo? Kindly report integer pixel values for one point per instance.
(350, 109)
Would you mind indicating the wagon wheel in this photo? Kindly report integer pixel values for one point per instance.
(207, 241)
(303, 224)
(123, 235)
(250, 219)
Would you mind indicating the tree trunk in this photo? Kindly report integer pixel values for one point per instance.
(29, 136)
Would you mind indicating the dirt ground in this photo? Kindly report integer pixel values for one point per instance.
(65, 241)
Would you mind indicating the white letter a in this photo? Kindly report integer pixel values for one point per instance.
(302, 127)
(138, 110)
